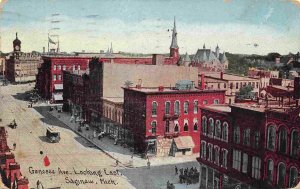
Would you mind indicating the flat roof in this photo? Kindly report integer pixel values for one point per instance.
(155, 90)
(230, 77)
(253, 107)
(114, 99)
(220, 108)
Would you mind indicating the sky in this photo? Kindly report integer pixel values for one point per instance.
(144, 26)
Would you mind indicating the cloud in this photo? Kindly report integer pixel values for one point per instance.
(296, 2)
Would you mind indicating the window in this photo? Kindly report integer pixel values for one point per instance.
(293, 177)
(211, 127)
(236, 135)
(270, 170)
(281, 175)
(54, 77)
(167, 126)
(204, 102)
(59, 77)
(218, 129)
(195, 106)
(219, 86)
(203, 149)
(210, 152)
(246, 137)
(245, 163)
(54, 67)
(237, 86)
(78, 67)
(153, 127)
(186, 107)
(204, 125)
(224, 85)
(64, 67)
(236, 161)
(195, 126)
(225, 132)
(217, 155)
(294, 143)
(73, 67)
(176, 128)
(216, 101)
(271, 137)
(224, 158)
(186, 127)
(282, 140)
(59, 67)
(154, 108)
(256, 139)
(176, 108)
(167, 108)
(256, 165)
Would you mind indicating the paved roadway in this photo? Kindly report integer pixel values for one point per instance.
(71, 152)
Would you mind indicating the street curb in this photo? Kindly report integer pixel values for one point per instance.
(80, 134)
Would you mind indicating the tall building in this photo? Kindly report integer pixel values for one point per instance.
(22, 67)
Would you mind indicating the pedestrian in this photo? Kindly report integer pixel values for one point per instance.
(95, 134)
(176, 170)
(148, 164)
(117, 162)
(14, 145)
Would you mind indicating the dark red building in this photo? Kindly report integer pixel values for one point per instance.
(50, 75)
(165, 121)
(263, 143)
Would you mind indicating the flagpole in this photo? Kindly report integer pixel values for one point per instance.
(48, 42)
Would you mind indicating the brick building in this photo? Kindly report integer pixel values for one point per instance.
(263, 143)
(50, 74)
(22, 67)
(164, 121)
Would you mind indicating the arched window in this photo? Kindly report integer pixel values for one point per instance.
(167, 108)
(218, 129)
(270, 170)
(195, 126)
(293, 177)
(176, 127)
(217, 155)
(282, 140)
(176, 108)
(256, 139)
(211, 127)
(186, 127)
(186, 107)
(154, 108)
(246, 137)
(225, 131)
(281, 174)
(271, 137)
(195, 106)
(153, 127)
(236, 134)
(294, 143)
(204, 125)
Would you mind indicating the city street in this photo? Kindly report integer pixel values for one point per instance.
(75, 153)
(70, 154)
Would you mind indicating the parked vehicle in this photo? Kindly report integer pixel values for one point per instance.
(53, 135)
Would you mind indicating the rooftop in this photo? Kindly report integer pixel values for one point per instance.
(220, 108)
(229, 77)
(114, 99)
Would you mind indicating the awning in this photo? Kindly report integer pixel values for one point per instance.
(58, 86)
(184, 142)
(58, 97)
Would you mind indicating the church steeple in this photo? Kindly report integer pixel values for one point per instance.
(17, 44)
(174, 49)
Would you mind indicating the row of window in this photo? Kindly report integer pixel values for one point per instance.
(213, 154)
(56, 78)
(281, 174)
(215, 129)
(64, 67)
(169, 128)
(177, 107)
(239, 85)
(246, 137)
(283, 140)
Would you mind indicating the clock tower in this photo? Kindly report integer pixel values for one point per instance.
(17, 44)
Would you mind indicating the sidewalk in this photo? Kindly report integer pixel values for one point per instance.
(117, 152)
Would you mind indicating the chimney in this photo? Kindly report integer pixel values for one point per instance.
(157, 59)
(221, 75)
(202, 81)
(161, 88)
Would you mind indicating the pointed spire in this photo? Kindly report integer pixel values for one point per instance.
(16, 35)
(204, 46)
(111, 48)
(174, 37)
